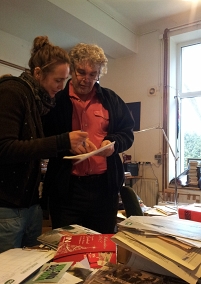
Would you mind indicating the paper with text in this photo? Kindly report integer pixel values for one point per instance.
(165, 226)
(17, 264)
(83, 157)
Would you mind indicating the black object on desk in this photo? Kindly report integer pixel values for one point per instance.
(133, 168)
(130, 201)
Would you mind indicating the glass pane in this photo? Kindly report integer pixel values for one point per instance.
(191, 128)
(191, 68)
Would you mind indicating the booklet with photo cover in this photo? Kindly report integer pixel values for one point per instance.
(52, 238)
(120, 273)
(97, 248)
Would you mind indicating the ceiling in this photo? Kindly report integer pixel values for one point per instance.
(113, 24)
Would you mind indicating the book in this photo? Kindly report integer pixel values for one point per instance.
(83, 157)
(120, 273)
(192, 172)
(60, 273)
(52, 238)
(190, 212)
(97, 248)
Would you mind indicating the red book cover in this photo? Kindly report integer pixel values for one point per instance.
(98, 248)
(190, 212)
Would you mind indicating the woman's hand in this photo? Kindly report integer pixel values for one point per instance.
(83, 145)
(77, 138)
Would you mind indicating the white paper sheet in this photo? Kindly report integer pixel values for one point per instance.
(18, 264)
(83, 157)
(165, 226)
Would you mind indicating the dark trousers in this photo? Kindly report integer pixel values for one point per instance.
(89, 203)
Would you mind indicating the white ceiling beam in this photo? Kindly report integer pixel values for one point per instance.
(103, 28)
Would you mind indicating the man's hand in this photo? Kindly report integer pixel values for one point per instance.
(89, 146)
(107, 152)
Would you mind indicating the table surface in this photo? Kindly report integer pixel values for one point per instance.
(132, 177)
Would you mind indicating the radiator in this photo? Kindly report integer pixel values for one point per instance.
(148, 191)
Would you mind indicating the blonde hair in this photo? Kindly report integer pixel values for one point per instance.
(46, 55)
(91, 53)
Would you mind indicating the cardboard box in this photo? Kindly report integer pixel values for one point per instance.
(190, 212)
(123, 255)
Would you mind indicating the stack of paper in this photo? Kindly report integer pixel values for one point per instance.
(162, 210)
(167, 246)
(192, 174)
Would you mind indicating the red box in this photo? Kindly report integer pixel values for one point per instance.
(190, 212)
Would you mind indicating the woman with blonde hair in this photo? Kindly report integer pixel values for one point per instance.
(23, 100)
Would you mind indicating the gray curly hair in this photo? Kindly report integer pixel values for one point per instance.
(91, 53)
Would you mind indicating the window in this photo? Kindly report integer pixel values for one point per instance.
(189, 86)
(190, 68)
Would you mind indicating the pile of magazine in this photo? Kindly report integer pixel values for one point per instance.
(52, 238)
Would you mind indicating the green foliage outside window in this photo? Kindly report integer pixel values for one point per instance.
(192, 147)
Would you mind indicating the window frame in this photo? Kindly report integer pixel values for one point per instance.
(181, 95)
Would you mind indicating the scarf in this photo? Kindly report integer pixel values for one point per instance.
(43, 100)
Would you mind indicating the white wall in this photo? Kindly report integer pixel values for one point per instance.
(13, 50)
(131, 78)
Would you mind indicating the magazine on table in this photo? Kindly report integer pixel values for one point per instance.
(98, 249)
(52, 238)
(120, 273)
